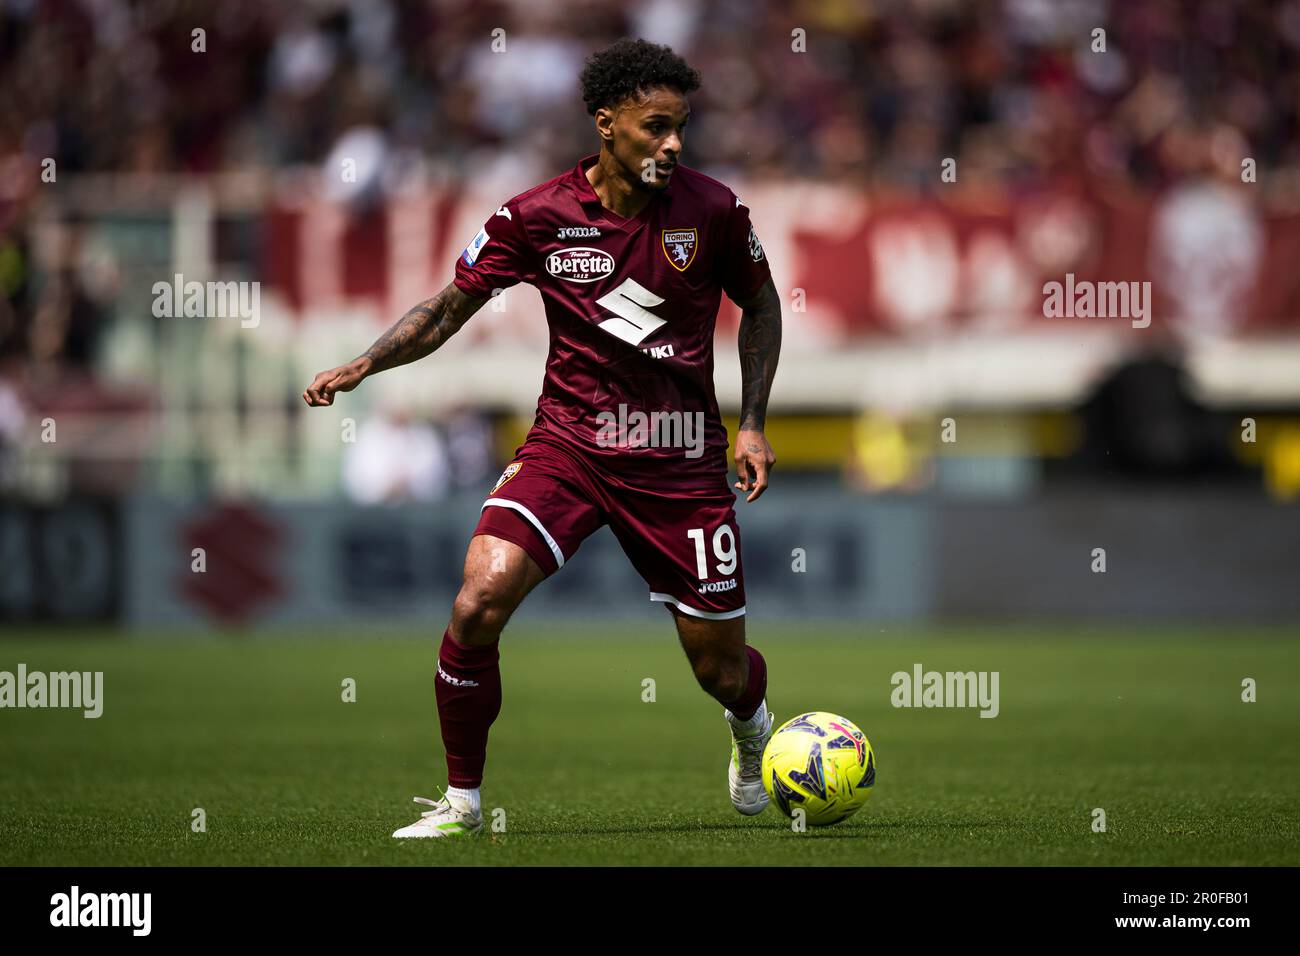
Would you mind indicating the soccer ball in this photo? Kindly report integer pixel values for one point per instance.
(820, 763)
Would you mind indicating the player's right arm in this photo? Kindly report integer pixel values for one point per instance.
(417, 334)
(496, 259)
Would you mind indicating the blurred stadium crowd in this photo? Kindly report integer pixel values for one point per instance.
(418, 91)
(886, 90)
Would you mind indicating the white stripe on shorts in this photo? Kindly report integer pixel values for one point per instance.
(532, 519)
(695, 612)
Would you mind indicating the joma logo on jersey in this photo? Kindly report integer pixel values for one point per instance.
(679, 247)
(580, 264)
(577, 232)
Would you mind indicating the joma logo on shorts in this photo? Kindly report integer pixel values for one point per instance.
(714, 587)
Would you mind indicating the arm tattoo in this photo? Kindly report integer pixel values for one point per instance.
(423, 329)
(760, 347)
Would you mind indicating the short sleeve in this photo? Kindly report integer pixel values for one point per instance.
(744, 264)
(498, 257)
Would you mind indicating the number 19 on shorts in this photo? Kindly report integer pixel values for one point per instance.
(724, 551)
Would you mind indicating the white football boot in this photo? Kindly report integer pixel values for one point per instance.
(745, 769)
(450, 816)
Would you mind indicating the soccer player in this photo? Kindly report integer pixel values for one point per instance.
(631, 252)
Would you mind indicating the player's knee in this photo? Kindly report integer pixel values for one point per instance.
(720, 679)
(480, 612)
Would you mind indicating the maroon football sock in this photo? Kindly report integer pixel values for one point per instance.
(744, 706)
(468, 688)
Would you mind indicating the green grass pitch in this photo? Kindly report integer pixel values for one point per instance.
(1148, 725)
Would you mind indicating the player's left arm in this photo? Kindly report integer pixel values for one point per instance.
(760, 347)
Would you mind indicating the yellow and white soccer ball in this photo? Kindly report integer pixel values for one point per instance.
(820, 763)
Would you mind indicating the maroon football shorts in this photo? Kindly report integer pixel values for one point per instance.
(686, 546)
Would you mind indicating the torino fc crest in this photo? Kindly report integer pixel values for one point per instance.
(512, 469)
(679, 247)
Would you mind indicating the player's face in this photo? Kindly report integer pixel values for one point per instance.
(648, 135)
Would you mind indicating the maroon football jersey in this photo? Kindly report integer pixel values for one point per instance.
(631, 305)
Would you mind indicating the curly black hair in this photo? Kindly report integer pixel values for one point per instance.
(628, 66)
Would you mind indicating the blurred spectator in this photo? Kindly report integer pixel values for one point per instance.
(53, 326)
(13, 418)
(469, 448)
(396, 458)
(1143, 420)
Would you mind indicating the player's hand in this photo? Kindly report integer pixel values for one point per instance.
(754, 459)
(342, 379)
